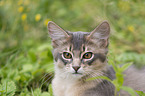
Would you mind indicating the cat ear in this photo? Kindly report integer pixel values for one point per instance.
(101, 33)
(55, 31)
(57, 34)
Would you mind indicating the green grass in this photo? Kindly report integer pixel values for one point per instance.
(26, 62)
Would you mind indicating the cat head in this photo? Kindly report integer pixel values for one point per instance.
(78, 54)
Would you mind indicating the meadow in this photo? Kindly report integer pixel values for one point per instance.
(26, 61)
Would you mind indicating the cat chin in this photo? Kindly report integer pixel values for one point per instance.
(77, 75)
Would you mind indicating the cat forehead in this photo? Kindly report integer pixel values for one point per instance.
(78, 39)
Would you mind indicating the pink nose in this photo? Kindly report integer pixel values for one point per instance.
(76, 68)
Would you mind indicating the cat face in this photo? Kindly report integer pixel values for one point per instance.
(78, 54)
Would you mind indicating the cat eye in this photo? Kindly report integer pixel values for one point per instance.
(67, 55)
(87, 55)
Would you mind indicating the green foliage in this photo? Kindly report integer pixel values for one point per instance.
(138, 59)
(118, 82)
(25, 67)
(7, 88)
(99, 77)
(37, 92)
(119, 69)
(129, 90)
(25, 49)
(140, 93)
(50, 90)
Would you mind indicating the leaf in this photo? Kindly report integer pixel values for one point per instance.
(44, 46)
(27, 67)
(99, 77)
(117, 86)
(125, 66)
(50, 90)
(37, 92)
(119, 78)
(32, 55)
(140, 93)
(129, 90)
(45, 94)
(8, 88)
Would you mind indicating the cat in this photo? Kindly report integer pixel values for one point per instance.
(82, 55)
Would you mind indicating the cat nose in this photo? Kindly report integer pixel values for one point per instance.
(76, 68)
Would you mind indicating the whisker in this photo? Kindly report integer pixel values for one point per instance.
(46, 74)
(104, 74)
(46, 80)
(44, 77)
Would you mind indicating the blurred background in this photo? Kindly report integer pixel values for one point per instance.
(26, 61)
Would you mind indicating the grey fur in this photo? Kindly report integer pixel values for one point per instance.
(77, 40)
(104, 88)
(68, 82)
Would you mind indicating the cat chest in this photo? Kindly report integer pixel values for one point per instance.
(65, 88)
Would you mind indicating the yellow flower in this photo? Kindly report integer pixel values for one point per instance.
(130, 28)
(46, 22)
(37, 17)
(23, 17)
(20, 9)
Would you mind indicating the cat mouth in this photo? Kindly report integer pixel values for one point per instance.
(76, 73)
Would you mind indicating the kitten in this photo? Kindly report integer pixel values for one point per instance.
(82, 55)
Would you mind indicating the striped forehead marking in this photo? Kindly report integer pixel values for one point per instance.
(77, 40)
